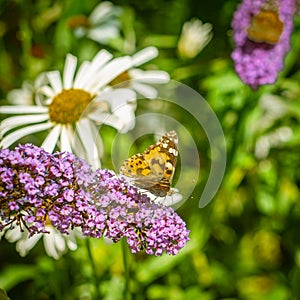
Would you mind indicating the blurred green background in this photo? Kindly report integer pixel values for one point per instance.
(245, 244)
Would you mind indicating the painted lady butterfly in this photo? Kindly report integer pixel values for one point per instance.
(266, 27)
(153, 169)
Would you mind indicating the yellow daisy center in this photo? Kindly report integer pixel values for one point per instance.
(121, 79)
(68, 106)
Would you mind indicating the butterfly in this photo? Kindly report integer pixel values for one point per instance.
(266, 27)
(153, 169)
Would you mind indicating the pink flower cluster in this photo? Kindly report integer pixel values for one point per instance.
(37, 187)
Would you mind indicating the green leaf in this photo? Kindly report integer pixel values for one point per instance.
(3, 295)
(15, 274)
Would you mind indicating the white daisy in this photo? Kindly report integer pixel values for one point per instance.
(101, 26)
(55, 243)
(64, 105)
(194, 37)
(142, 81)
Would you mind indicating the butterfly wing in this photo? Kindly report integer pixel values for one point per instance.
(154, 168)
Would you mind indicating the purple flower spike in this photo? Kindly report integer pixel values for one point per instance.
(258, 63)
(30, 188)
(38, 188)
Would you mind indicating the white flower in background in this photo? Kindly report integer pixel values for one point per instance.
(194, 37)
(22, 96)
(25, 95)
(274, 107)
(55, 243)
(101, 26)
(271, 140)
(64, 104)
(139, 80)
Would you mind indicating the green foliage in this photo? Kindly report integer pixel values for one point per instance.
(3, 295)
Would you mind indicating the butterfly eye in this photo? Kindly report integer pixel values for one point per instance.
(266, 27)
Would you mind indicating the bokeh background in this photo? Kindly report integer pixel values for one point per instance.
(245, 244)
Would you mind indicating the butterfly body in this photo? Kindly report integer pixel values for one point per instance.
(153, 169)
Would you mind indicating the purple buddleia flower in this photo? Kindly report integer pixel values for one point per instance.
(258, 63)
(38, 189)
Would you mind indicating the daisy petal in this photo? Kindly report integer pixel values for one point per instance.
(13, 235)
(150, 76)
(122, 105)
(80, 75)
(12, 122)
(66, 134)
(41, 80)
(16, 135)
(117, 97)
(101, 59)
(46, 91)
(145, 90)
(78, 147)
(88, 142)
(108, 119)
(97, 63)
(54, 244)
(104, 9)
(129, 123)
(59, 242)
(25, 245)
(123, 119)
(55, 81)
(69, 71)
(144, 56)
(97, 139)
(169, 200)
(71, 243)
(111, 71)
(99, 117)
(103, 34)
(51, 139)
(26, 109)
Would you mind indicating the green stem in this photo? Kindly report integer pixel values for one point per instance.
(126, 292)
(94, 270)
(239, 129)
